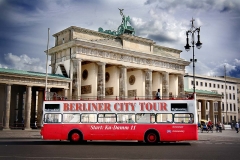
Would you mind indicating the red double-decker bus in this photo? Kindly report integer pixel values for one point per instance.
(150, 121)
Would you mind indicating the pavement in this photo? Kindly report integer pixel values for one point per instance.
(225, 135)
(20, 134)
(35, 134)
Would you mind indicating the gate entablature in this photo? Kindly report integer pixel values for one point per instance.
(205, 95)
(20, 77)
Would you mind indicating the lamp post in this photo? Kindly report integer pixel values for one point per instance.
(191, 32)
(225, 76)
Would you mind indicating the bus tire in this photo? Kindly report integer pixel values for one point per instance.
(151, 137)
(75, 136)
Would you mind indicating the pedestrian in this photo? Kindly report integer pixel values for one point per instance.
(237, 127)
(210, 125)
(219, 126)
(158, 94)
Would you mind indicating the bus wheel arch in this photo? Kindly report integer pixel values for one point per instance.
(151, 136)
(75, 136)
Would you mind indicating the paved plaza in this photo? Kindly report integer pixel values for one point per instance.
(20, 134)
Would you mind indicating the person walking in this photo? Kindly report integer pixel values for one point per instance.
(158, 94)
(210, 125)
(237, 127)
(219, 127)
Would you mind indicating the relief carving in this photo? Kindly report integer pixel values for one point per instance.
(132, 93)
(107, 77)
(129, 58)
(131, 79)
(85, 74)
(86, 89)
(109, 91)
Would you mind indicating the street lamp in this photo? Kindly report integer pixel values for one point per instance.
(191, 32)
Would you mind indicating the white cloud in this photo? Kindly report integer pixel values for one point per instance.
(207, 5)
(216, 68)
(163, 28)
(23, 62)
(229, 67)
(3, 66)
(237, 62)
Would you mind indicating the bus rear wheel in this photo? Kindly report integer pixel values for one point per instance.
(151, 137)
(75, 137)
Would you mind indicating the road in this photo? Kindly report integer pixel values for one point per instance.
(21, 144)
(218, 148)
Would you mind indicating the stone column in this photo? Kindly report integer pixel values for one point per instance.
(203, 109)
(220, 111)
(24, 105)
(197, 105)
(66, 93)
(71, 34)
(180, 85)
(101, 80)
(77, 77)
(123, 82)
(56, 42)
(211, 111)
(71, 77)
(28, 108)
(165, 85)
(40, 107)
(7, 108)
(173, 85)
(148, 84)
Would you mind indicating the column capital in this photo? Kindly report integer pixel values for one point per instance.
(124, 67)
(164, 72)
(148, 70)
(179, 74)
(76, 59)
(101, 63)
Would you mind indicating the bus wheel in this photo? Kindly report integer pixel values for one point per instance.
(151, 137)
(75, 137)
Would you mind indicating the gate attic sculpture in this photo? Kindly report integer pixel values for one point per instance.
(123, 28)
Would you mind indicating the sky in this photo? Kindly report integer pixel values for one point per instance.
(24, 28)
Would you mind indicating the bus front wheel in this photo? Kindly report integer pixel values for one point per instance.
(151, 137)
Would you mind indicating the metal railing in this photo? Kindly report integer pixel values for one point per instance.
(53, 96)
